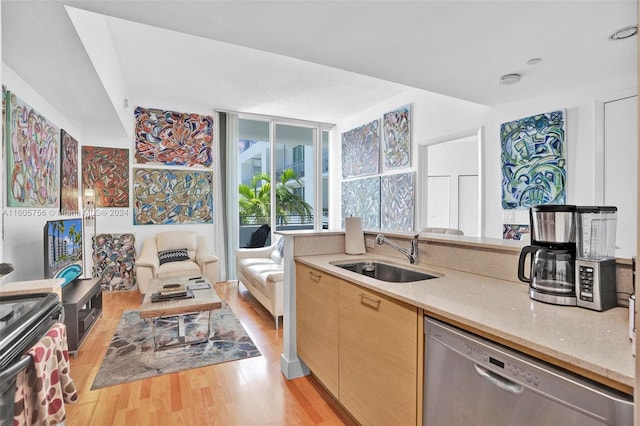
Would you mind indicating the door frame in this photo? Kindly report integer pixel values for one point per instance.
(423, 173)
(598, 132)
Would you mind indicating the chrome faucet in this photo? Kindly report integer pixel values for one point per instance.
(412, 253)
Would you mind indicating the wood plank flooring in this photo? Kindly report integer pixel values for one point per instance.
(247, 392)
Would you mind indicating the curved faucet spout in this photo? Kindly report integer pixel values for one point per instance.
(412, 253)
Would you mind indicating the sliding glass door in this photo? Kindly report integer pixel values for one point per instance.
(278, 165)
(254, 175)
(295, 177)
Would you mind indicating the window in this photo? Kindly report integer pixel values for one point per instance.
(276, 164)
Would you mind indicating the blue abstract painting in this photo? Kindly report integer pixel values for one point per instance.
(361, 197)
(172, 197)
(534, 161)
(396, 139)
(361, 150)
(397, 195)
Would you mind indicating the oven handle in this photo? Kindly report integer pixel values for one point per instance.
(11, 371)
(498, 380)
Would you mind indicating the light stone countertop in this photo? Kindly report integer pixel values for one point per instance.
(593, 344)
(53, 285)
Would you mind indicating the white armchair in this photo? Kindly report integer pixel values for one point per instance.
(197, 262)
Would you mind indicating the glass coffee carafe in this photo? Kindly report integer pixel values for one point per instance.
(552, 270)
(552, 251)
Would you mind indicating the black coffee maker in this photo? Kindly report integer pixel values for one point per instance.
(553, 253)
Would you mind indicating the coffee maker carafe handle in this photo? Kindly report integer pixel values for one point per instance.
(523, 255)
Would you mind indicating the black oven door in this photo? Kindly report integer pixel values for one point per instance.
(24, 320)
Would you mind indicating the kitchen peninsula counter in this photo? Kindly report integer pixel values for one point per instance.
(593, 344)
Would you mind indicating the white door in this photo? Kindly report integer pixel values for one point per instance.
(452, 185)
(620, 169)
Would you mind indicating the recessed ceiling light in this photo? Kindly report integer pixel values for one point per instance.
(534, 61)
(508, 79)
(625, 32)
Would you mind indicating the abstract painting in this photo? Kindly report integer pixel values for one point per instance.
(106, 170)
(361, 150)
(533, 161)
(69, 201)
(514, 232)
(32, 157)
(396, 139)
(361, 197)
(165, 197)
(397, 196)
(113, 259)
(172, 138)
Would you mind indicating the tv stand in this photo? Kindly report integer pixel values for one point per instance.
(82, 300)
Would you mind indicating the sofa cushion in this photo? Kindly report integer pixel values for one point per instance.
(245, 263)
(175, 255)
(264, 273)
(185, 268)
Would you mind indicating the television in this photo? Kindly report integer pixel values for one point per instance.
(63, 249)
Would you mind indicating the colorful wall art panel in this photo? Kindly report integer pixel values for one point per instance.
(165, 197)
(172, 138)
(514, 232)
(113, 259)
(361, 150)
(361, 197)
(397, 194)
(32, 157)
(534, 161)
(106, 170)
(396, 139)
(69, 201)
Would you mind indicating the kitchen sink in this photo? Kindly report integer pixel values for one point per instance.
(385, 272)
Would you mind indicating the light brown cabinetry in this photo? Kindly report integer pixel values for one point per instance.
(363, 346)
(378, 357)
(317, 310)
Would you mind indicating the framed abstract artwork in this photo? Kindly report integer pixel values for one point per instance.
(172, 138)
(33, 145)
(361, 150)
(514, 232)
(396, 139)
(114, 257)
(69, 201)
(106, 170)
(167, 196)
(534, 161)
(361, 197)
(397, 205)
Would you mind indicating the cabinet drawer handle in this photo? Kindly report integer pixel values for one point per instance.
(315, 277)
(367, 298)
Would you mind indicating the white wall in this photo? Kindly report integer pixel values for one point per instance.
(432, 116)
(435, 116)
(23, 242)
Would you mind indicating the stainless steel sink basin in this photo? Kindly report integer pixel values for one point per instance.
(385, 272)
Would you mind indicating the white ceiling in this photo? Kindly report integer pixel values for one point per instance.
(315, 60)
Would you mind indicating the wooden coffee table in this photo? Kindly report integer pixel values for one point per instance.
(204, 300)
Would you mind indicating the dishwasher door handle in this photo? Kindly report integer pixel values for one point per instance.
(498, 380)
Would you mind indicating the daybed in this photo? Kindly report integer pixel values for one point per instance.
(261, 272)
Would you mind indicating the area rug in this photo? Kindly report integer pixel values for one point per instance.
(131, 355)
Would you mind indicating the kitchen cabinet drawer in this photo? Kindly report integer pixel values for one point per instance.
(317, 309)
(378, 356)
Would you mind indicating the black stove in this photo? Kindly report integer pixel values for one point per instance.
(24, 320)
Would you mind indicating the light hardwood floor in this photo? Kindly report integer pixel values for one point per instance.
(247, 392)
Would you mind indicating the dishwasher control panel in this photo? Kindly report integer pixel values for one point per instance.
(502, 365)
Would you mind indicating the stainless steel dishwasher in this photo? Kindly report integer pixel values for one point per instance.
(472, 381)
